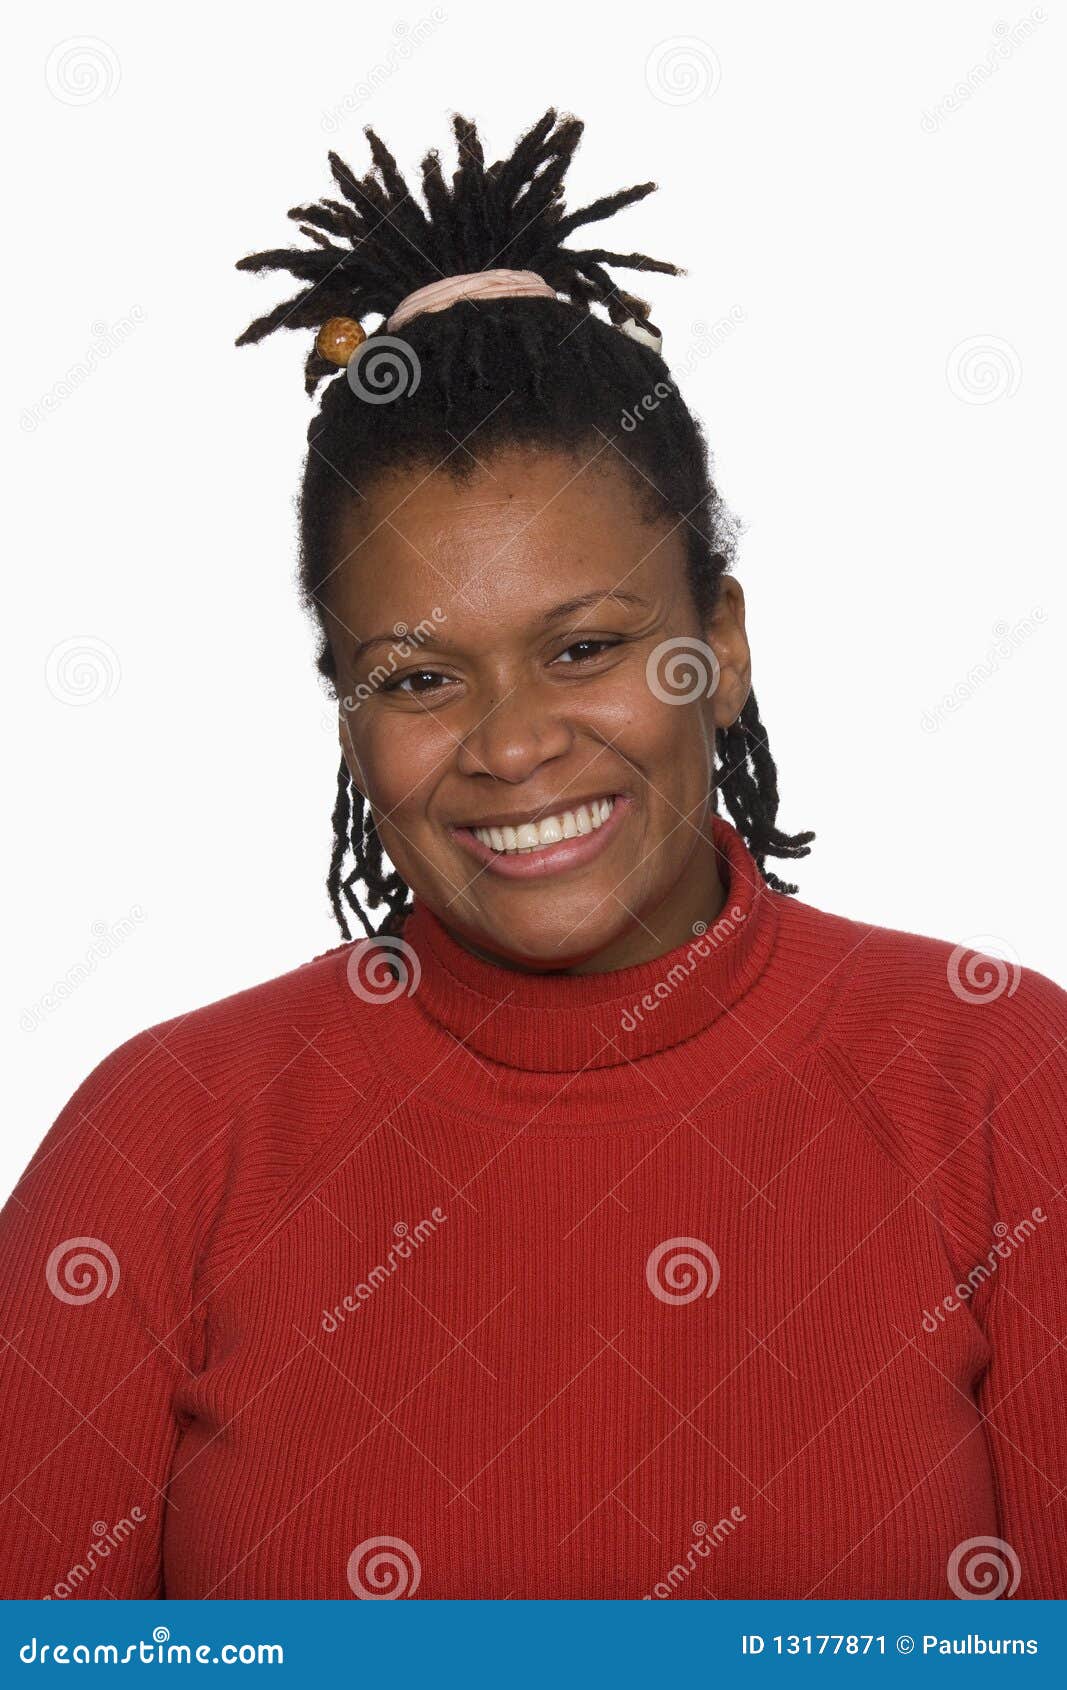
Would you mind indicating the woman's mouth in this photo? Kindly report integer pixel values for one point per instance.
(566, 839)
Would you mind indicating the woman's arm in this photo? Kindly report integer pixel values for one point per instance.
(97, 1251)
(1023, 1394)
(960, 1063)
(1023, 1397)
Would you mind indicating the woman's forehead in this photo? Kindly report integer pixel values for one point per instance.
(518, 533)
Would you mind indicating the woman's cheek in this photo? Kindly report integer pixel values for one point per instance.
(664, 738)
(403, 755)
(619, 708)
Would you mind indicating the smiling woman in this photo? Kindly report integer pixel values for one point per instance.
(527, 710)
(582, 1228)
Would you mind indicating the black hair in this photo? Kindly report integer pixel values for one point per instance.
(538, 372)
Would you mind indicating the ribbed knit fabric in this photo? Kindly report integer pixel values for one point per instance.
(477, 1283)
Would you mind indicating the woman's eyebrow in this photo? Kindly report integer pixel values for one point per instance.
(558, 613)
(569, 606)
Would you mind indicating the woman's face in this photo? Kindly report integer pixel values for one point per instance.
(513, 648)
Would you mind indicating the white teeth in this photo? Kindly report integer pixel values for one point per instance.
(533, 836)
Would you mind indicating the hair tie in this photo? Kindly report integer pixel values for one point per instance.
(498, 284)
(340, 337)
(476, 284)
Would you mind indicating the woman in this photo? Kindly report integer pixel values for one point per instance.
(606, 1222)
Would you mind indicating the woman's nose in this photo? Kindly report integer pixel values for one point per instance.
(514, 733)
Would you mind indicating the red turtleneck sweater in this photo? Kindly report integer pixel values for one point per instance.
(739, 1273)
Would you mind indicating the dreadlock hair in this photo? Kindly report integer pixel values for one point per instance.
(536, 372)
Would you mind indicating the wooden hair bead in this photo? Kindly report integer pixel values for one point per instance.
(338, 338)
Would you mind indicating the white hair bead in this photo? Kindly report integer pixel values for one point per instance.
(646, 335)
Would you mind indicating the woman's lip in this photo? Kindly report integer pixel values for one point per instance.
(547, 859)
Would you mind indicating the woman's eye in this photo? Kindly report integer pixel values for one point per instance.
(586, 649)
(417, 682)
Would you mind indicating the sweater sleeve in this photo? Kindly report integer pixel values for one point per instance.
(98, 1249)
(1022, 1303)
(959, 1064)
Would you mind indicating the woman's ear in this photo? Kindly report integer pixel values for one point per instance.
(725, 633)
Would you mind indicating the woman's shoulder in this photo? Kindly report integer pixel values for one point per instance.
(223, 1087)
(954, 1050)
(240, 1043)
(184, 1135)
(974, 996)
(952, 1054)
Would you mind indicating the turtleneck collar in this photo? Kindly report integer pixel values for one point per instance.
(564, 1022)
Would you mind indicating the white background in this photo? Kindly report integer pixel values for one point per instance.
(875, 196)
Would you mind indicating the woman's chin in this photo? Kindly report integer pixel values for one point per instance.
(545, 940)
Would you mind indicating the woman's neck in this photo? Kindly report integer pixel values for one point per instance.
(604, 1017)
(690, 906)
